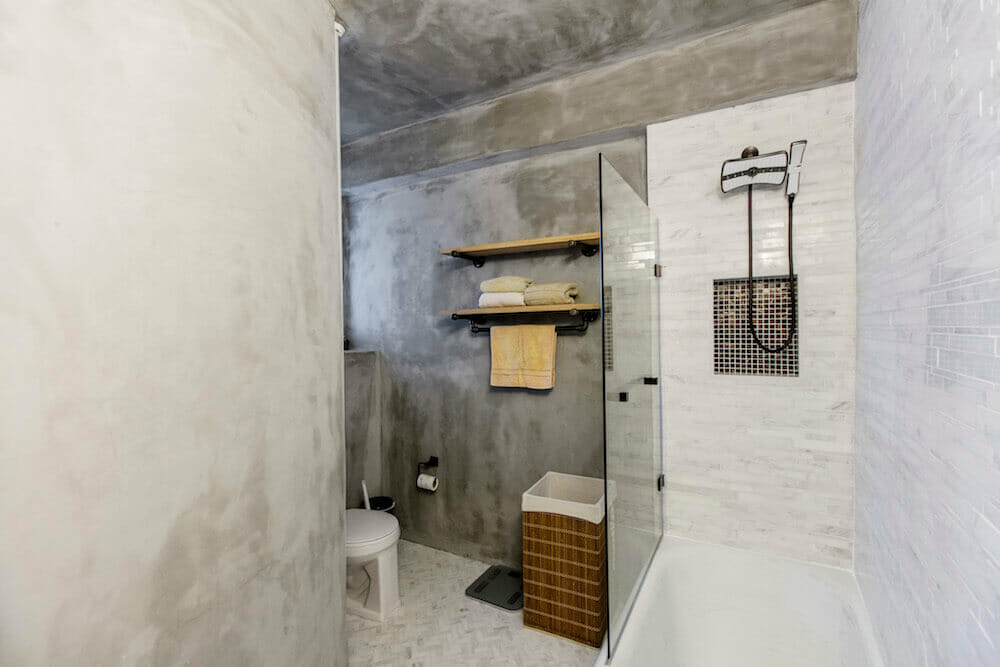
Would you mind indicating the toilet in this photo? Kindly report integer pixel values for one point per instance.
(372, 577)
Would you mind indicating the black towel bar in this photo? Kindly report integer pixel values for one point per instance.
(586, 317)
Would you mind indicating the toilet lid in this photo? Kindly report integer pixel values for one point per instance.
(369, 525)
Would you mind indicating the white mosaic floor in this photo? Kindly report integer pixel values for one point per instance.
(438, 626)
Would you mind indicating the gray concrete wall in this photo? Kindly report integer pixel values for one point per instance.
(807, 47)
(364, 387)
(927, 471)
(171, 410)
(492, 443)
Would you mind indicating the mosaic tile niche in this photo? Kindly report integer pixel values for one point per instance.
(736, 353)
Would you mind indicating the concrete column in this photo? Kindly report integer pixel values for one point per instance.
(171, 418)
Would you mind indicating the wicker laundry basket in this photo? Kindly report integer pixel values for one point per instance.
(565, 556)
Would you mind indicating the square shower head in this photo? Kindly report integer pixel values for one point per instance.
(768, 169)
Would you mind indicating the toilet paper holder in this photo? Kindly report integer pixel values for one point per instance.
(432, 462)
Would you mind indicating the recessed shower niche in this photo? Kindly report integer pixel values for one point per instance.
(735, 351)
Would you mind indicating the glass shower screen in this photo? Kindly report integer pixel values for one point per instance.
(632, 449)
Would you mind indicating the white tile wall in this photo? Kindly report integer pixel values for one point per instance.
(759, 462)
(928, 415)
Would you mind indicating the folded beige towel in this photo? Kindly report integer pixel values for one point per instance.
(523, 356)
(501, 299)
(547, 294)
(505, 284)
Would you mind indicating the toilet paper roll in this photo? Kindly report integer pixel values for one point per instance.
(427, 482)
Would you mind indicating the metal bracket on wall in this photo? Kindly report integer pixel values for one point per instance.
(586, 317)
(432, 462)
(477, 260)
(586, 249)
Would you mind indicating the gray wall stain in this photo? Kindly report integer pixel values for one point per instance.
(492, 444)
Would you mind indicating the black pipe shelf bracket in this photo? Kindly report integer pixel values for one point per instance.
(586, 249)
(477, 260)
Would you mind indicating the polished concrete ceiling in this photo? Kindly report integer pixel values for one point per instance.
(404, 61)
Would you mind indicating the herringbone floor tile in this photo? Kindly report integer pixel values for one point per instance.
(438, 626)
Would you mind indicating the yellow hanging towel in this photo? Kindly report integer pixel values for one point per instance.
(523, 356)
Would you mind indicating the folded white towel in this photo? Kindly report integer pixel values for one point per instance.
(547, 294)
(501, 299)
(505, 284)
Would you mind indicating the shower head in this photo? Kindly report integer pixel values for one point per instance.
(754, 169)
(795, 155)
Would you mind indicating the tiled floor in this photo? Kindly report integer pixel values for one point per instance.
(439, 627)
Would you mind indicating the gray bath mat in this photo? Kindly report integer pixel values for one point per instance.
(499, 586)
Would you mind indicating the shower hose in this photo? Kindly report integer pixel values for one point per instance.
(791, 278)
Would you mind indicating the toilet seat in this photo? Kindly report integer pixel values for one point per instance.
(369, 531)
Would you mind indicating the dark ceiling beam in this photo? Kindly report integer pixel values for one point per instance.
(804, 48)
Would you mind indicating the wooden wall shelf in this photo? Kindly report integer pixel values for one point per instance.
(588, 244)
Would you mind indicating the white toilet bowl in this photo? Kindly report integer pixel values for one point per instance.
(372, 573)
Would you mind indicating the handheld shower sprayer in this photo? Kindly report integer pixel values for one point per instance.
(796, 152)
(769, 169)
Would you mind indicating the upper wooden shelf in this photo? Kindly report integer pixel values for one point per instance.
(588, 243)
(571, 308)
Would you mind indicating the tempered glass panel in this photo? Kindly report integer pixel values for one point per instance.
(632, 392)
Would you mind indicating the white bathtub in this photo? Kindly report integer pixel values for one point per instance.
(704, 605)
